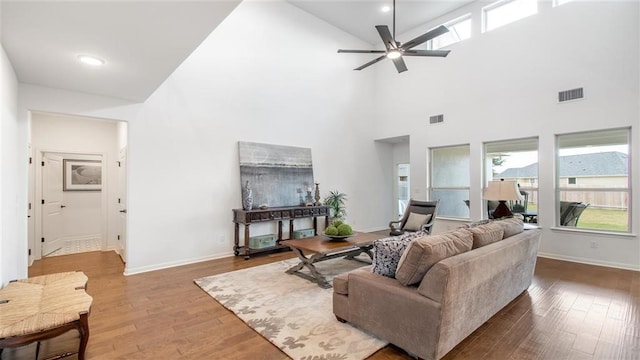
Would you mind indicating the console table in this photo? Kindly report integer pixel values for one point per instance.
(279, 214)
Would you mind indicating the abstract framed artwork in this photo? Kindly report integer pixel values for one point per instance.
(278, 175)
(82, 175)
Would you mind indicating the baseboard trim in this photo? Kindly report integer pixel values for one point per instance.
(589, 261)
(171, 264)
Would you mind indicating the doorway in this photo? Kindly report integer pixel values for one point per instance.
(71, 203)
(76, 185)
(402, 187)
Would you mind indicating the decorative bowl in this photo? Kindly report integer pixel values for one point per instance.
(337, 237)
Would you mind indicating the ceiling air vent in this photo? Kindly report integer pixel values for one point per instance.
(572, 94)
(435, 119)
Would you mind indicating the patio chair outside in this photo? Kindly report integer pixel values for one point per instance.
(570, 212)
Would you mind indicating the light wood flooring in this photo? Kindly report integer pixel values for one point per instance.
(572, 311)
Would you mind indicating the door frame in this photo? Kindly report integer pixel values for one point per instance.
(396, 188)
(123, 196)
(38, 213)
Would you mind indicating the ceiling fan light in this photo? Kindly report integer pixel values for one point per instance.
(393, 54)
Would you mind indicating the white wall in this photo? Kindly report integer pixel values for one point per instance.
(80, 136)
(503, 85)
(13, 245)
(307, 95)
(300, 93)
(183, 177)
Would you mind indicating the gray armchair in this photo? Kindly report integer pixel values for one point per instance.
(423, 218)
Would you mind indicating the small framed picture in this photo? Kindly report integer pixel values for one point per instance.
(82, 175)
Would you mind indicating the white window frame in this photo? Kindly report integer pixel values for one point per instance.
(572, 188)
(514, 144)
(496, 5)
(556, 3)
(433, 188)
(450, 24)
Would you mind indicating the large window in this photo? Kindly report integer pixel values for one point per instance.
(504, 12)
(459, 29)
(449, 175)
(593, 183)
(515, 160)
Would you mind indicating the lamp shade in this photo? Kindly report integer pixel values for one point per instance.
(502, 190)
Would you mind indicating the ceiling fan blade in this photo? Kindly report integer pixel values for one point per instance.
(425, 37)
(440, 53)
(362, 51)
(387, 39)
(371, 62)
(400, 65)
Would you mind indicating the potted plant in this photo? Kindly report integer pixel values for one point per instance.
(336, 200)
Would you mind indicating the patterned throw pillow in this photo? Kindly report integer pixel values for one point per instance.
(388, 251)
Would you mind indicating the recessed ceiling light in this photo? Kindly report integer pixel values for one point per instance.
(90, 60)
(385, 8)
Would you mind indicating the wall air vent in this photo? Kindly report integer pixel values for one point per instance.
(572, 94)
(435, 119)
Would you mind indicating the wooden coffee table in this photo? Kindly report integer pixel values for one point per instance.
(323, 248)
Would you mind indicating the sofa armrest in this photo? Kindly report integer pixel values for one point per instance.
(393, 312)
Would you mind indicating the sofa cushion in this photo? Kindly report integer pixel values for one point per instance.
(415, 221)
(476, 223)
(424, 252)
(486, 234)
(512, 226)
(387, 252)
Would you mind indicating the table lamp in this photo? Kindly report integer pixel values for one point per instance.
(502, 191)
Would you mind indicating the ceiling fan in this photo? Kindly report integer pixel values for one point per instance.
(395, 50)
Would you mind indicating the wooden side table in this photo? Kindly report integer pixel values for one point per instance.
(321, 248)
(43, 307)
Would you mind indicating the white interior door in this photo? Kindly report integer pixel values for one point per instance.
(52, 206)
(122, 202)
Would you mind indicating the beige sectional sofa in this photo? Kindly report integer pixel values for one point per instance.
(445, 286)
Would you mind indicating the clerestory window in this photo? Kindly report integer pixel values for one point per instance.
(504, 12)
(459, 29)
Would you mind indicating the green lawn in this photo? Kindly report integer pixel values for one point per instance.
(603, 219)
(600, 219)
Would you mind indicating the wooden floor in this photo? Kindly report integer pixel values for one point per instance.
(572, 311)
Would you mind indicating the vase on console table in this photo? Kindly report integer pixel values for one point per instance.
(247, 197)
(317, 203)
(308, 200)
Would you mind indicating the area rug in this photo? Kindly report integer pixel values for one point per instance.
(291, 312)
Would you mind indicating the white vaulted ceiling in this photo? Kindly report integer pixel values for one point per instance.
(359, 17)
(143, 42)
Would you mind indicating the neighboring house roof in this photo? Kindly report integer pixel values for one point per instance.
(610, 163)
